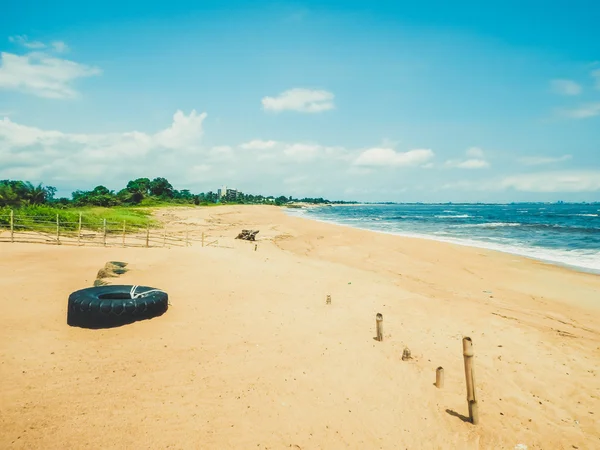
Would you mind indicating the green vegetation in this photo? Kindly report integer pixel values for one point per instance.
(41, 217)
(131, 204)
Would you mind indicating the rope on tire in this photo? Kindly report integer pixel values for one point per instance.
(141, 294)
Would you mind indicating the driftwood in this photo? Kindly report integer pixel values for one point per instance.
(248, 235)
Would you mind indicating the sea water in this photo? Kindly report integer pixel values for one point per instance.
(564, 234)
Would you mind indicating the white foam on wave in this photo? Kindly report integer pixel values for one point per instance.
(459, 216)
(587, 215)
(488, 225)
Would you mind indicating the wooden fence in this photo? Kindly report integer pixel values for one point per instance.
(32, 229)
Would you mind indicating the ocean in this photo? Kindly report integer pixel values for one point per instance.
(563, 234)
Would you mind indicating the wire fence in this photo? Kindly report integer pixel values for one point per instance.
(32, 229)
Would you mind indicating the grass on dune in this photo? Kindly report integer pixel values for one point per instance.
(92, 218)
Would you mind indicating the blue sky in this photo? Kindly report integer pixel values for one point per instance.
(349, 100)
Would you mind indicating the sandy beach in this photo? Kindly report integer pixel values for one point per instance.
(250, 356)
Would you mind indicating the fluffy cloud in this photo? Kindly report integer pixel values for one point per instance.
(60, 47)
(475, 160)
(301, 100)
(25, 42)
(583, 112)
(258, 144)
(469, 164)
(40, 73)
(375, 157)
(475, 152)
(565, 87)
(32, 153)
(596, 75)
(563, 181)
(541, 160)
(541, 182)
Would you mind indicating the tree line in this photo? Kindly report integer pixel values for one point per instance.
(141, 191)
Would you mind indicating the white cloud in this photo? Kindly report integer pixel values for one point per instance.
(468, 164)
(374, 157)
(302, 100)
(31, 153)
(60, 47)
(565, 87)
(541, 160)
(301, 152)
(541, 182)
(475, 160)
(42, 75)
(564, 181)
(25, 42)
(596, 75)
(583, 112)
(475, 152)
(258, 144)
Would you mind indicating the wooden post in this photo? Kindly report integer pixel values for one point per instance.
(255, 247)
(439, 378)
(148, 235)
(203, 239)
(470, 377)
(379, 324)
(328, 301)
(124, 223)
(187, 235)
(165, 237)
(104, 231)
(406, 355)
(57, 230)
(79, 232)
(12, 226)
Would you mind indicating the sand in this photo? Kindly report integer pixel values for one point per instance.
(250, 356)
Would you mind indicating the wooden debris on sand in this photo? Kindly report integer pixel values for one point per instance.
(248, 235)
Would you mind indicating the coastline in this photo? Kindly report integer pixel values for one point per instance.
(250, 356)
(559, 258)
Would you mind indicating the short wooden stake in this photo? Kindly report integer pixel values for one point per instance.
(79, 231)
(255, 247)
(406, 355)
(165, 237)
(470, 378)
(328, 301)
(379, 324)
(439, 378)
(203, 239)
(148, 235)
(12, 226)
(124, 224)
(57, 230)
(104, 231)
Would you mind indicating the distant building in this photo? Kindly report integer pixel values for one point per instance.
(229, 195)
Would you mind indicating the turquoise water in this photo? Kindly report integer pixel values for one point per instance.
(565, 234)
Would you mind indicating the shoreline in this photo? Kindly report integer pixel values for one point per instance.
(529, 253)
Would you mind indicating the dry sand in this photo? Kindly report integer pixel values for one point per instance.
(250, 356)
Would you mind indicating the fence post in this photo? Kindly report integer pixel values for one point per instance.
(57, 231)
(123, 233)
(470, 378)
(12, 226)
(79, 232)
(379, 326)
(148, 235)
(104, 231)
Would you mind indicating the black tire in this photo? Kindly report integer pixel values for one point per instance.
(112, 305)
